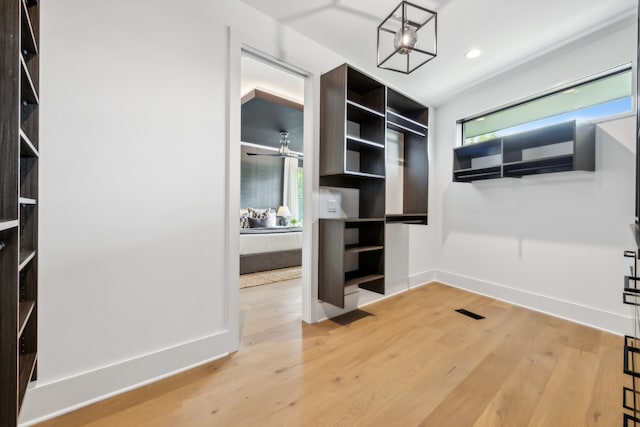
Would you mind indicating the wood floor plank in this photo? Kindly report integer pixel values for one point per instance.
(566, 398)
(412, 361)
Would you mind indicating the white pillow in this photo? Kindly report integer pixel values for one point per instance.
(271, 218)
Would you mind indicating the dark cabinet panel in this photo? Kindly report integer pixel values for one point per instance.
(19, 157)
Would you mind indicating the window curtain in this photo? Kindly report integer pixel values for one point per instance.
(290, 186)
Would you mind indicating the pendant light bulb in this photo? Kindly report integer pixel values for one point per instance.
(405, 40)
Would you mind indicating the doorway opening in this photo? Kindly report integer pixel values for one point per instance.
(271, 194)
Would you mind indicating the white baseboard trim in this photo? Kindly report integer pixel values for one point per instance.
(415, 281)
(421, 279)
(52, 399)
(614, 323)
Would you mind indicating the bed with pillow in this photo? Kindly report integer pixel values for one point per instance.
(266, 246)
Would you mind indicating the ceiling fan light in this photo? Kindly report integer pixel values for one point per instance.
(284, 143)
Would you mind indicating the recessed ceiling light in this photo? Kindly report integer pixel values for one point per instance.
(473, 53)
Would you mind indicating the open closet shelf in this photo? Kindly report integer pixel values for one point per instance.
(27, 149)
(355, 248)
(364, 109)
(7, 225)
(356, 144)
(408, 218)
(25, 308)
(27, 366)
(25, 258)
(358, 278)
(561, 147)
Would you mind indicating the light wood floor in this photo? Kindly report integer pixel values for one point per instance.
(413, 362)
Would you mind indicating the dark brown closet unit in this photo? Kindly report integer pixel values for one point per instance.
(355, 113)
(411, 119)
(19, 31)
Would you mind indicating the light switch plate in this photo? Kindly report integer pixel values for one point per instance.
(332, 206)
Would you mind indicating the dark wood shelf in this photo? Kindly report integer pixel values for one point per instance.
(7, 225)
(27, 201)
(27, 364)
(28, 90)
(25, 308)
(27, 149)
(400, 128)
(356, 249)
(472, 174)
(365, 109)
(353, 219)
(408, 218)
(358, 278)
(363, 174)
(364, 142)
(546, 165)
(28, 38)
(401, 123)
(542, 159)
(405, 119)
(26, 256)
(348, 180)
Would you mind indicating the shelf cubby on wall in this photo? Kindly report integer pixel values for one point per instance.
(478, 161)
(563, 147)
(19, 157)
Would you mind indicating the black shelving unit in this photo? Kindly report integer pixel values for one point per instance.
(563, 147)
(19, 157)
(356, 112)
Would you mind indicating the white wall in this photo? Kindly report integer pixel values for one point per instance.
(551, 242)
(134, 139)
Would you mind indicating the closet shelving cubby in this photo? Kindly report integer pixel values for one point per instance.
(346, 243)
(19, 157)
(562, 147)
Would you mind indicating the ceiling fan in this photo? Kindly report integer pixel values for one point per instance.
(283, 151)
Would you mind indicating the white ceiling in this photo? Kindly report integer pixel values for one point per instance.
(507, 31)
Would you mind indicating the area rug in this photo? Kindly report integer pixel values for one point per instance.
(271, 276)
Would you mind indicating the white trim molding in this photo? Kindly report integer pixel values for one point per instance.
(55, 398)
(614, 323)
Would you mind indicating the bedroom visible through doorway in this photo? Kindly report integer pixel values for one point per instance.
(271, 191)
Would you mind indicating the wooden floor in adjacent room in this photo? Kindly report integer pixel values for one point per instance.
(413, 361)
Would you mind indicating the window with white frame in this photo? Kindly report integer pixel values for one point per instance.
(599, 97)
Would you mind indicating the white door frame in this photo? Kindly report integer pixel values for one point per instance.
(311, 163)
